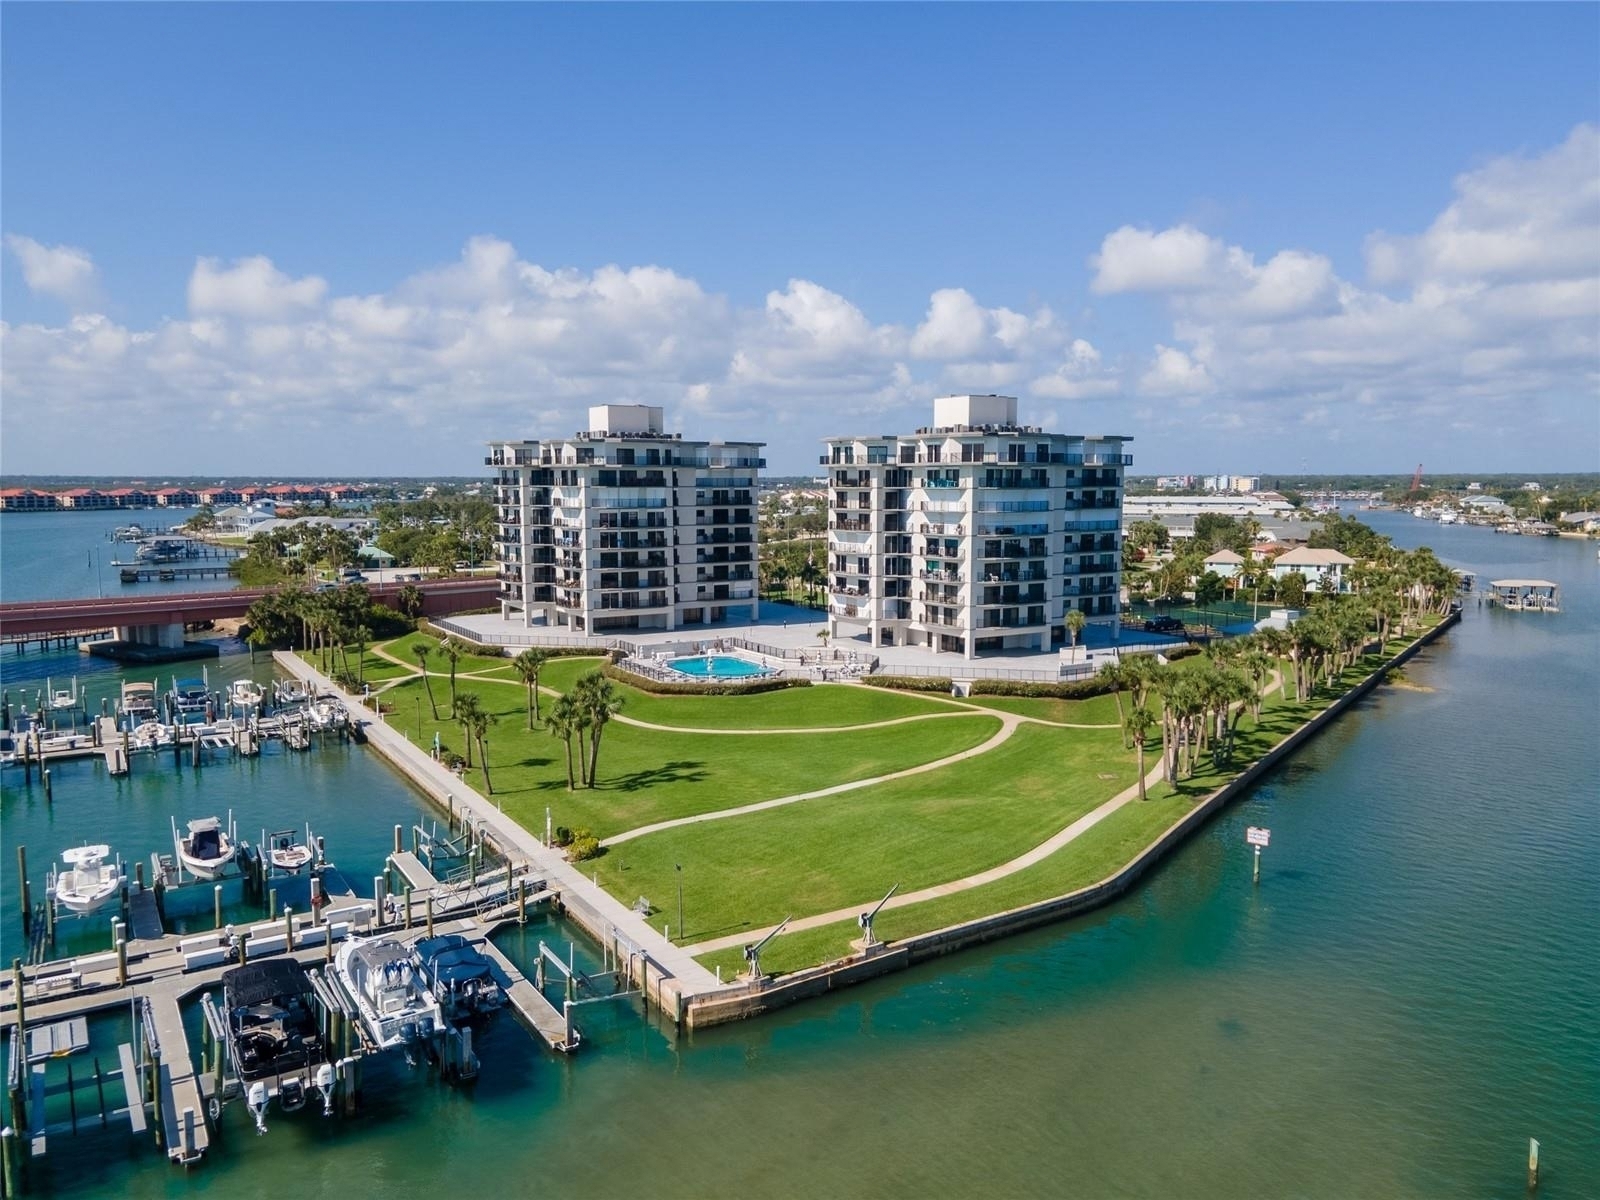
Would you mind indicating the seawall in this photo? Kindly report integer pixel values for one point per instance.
(751, 999)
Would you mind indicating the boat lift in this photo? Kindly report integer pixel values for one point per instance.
(868, 939)
(752, 954)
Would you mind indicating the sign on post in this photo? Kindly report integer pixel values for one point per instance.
(1257, 837)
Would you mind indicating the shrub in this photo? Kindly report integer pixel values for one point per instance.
(563, 836)
(1079, 689)
(910, 683)
(584, 848)
(451, 759)
(745, 687)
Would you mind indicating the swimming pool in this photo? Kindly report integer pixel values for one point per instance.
(717, 666)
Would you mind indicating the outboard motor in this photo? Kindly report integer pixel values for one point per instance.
(325, 1084)
(256, 1102)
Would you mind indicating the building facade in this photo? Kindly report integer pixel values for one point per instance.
(974, 534)
(625, 526)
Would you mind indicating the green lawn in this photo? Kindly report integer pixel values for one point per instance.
(649, 775)
(402, 648)
(1097, 710)
(805, 858)
(1088, 859)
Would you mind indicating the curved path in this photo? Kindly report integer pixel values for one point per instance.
(1007, 728)
(1021, 863)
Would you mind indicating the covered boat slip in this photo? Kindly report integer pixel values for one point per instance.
(1526, 595)
(272, 1019)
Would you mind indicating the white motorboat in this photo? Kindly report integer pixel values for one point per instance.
(150, 735)
(328, 714)
(138, 704)
(246, 694)
(382, 981)
(287, 853)
(62, 699)
(89, 881)
(207, 850)
(290, 691)
(8, 749)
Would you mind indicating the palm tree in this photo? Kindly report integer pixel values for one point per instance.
(563, 723)
(528, 665)
(599, 701)
(1075, 623)
(1115, 676)
(410, 599)
(422, 650)
(467, 711)
(477, 725)
(1137, 727)
(451, 649)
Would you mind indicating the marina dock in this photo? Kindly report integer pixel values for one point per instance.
(180, 1106)
(536, 1013)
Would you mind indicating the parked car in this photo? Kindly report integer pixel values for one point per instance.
(1163, 625)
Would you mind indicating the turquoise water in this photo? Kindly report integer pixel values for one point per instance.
(717, 666)
(1409, 995)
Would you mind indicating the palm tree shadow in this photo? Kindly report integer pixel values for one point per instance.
(536, 762)
(672, 772)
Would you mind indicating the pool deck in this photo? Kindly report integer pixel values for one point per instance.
(794, 630)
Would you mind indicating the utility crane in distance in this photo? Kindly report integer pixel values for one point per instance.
(1416, 481)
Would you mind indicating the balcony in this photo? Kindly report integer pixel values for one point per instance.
(942, 576)
(940, 483)
(939, 529)
(854, 524)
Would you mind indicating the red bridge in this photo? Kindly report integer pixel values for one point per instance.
(181, 608)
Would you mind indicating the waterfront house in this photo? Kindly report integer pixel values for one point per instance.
(1315, 565)
(131, 498)
(1585, 522)
(175, 497)
(1225, 563)
(216, 497)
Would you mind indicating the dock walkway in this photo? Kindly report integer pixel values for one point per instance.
(529, 1003)
(182, 1110)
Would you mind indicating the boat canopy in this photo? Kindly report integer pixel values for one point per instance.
(452, 959)
(259, 982)
(86, 856)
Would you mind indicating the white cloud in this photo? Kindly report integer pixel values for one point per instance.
(251, 287)
(1140, 260)
(1079, 376)
(1174, 373)
(63, 272)
(1516, 217)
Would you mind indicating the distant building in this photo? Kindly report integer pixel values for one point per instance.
(1175, 483)
(28, 500)
(1260, 504)
(175, 497)
(1474, 487)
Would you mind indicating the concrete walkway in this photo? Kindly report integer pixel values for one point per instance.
(574, 886)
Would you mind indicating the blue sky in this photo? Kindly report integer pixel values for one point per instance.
(352, 239)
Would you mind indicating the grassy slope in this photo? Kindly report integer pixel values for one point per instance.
(812, 857)
(1094, 856)
(650, 775)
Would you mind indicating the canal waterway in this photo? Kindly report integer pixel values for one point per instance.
(1409, 995)
(69, 555)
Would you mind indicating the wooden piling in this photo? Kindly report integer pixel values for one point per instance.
(44, 775)
(288, 928)
(22, 878)
(22, 1013)
(399, 834)
(1533, 1163)
(216, 906)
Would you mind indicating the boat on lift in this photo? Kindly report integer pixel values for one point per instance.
(273, 1037)
(291, 691)
(62, 699)
(207, 849)
(287, 853)
(288, 692)
(379, 976)
(138, 704)
(88, 882)
(246, 695)
(459, 976)
(189, 698)
(149, 735)
(8, 749)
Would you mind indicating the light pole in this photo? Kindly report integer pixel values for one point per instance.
(678, 868)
